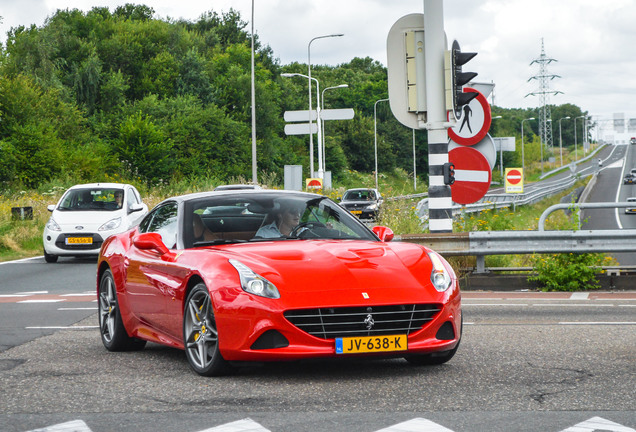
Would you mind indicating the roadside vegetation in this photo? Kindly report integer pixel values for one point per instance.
(127, 96)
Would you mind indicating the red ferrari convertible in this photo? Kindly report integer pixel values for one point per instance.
(259, 275)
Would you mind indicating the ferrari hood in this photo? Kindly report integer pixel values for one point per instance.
(339, 269)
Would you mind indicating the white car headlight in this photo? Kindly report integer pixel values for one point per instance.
(111, 225)
(254, 283)
(439, 274)
(372, 206)
(52, 225)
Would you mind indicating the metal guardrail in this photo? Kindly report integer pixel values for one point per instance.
(482, 243)
(579, 206)
(491, 201)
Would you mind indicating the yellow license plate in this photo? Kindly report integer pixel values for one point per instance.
(79, 240)
(371, 344)
(356, 212)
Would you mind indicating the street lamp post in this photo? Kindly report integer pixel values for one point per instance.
(311, 148)
(322, 123)
(309, 78)
(523, 163)
(375, 137)
(561, 138)
(253, 91)
(576, 151)
(500, 151)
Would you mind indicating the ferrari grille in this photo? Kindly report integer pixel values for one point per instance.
(330, 323)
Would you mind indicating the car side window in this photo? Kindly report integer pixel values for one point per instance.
(163, 220)
(131, 198)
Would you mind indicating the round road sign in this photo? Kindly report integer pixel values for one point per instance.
(472, 175)
(474, 123)
(486, 147)
(513, 176)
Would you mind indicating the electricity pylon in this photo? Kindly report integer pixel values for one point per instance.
(545, 119)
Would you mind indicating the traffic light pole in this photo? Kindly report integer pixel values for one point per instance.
(439, 194)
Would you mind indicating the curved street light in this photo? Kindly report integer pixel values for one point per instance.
(561, 139)
(576, 151)
(523, 164)
(322, 123)
(308, 76)
(500, 150)
(311, 148)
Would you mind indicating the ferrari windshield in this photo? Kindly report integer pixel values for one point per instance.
(91, 199)
(266, 216)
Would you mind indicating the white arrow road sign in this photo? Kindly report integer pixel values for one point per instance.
(299, 116)
(301, 128)
(337, 114)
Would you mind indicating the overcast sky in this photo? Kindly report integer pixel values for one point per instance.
(594, 42)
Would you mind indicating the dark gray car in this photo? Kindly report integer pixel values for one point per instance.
(363, 203)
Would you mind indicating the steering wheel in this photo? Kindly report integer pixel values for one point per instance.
(306, 227)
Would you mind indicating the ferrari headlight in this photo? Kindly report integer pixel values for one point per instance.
(52, 225)
(110, 225)
(439, 275)
(254, 283)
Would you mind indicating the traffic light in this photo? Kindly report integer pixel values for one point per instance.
(455, 79)
(449, 173)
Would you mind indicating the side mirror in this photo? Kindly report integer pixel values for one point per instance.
(50, 207)
(153, 241)
(135, 208)
(385, 234)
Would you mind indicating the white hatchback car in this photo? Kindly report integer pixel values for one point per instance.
(86, 215)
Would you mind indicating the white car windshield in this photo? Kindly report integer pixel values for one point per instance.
(92, 199)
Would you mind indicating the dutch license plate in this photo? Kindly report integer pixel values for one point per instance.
(371, 344)
(79, 240)
(356, 211)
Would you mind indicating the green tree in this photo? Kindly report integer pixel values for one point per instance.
(143, 149)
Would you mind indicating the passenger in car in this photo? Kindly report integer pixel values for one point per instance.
(200, 231)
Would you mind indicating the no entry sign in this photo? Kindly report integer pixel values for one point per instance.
(514, 180)
(472, 175)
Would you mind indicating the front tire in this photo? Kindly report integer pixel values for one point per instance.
(50, 258)
(111, 327)
(200, 335)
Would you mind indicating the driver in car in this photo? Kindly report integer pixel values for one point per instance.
(286, 218)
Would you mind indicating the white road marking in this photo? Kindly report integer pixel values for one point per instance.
(72, 426)
(78, 308)
(21, 260)
(598, 423)
(416, 425)
(598, 323)
(245, 425)
(61, 327)
(42, 301)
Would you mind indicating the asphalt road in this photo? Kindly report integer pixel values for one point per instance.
(527, 362)
(30, 301)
